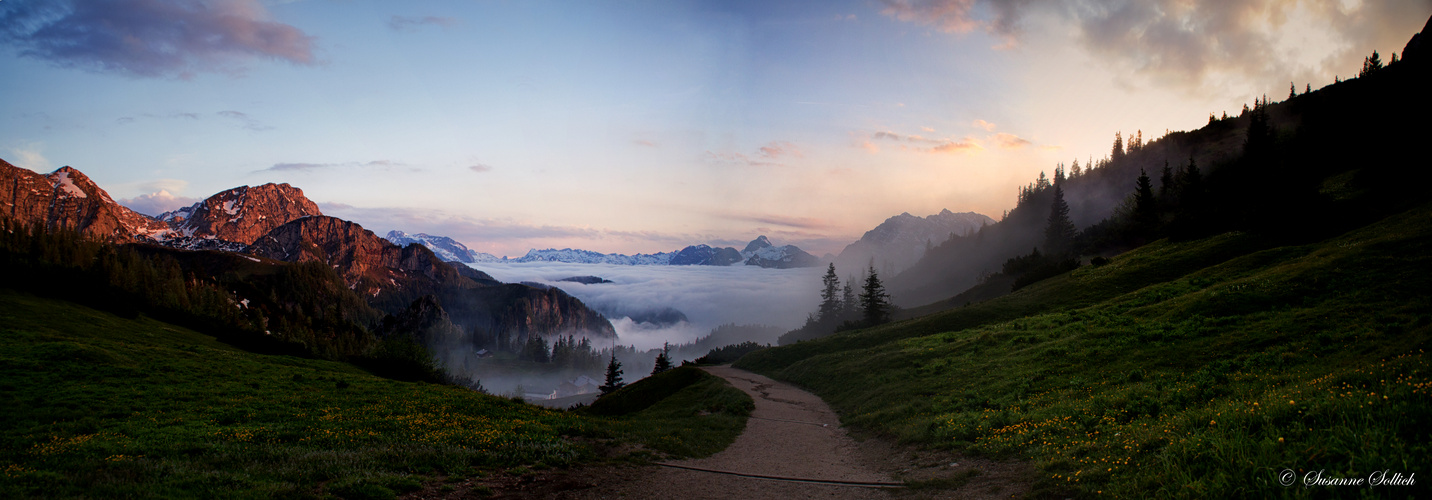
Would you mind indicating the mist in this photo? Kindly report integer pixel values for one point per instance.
(708, 296)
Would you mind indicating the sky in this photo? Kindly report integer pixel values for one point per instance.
(640, 126)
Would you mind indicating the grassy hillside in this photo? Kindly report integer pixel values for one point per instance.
(1197, 369)
(100, 405)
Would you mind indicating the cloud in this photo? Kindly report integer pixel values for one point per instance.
(950, 16)
(956, 147)
(1185, 44)
(644, 142)
(302, 167)
(29, 156)
(480, 168)
(781, 220)
(1010, 141)
(989, 127)
(708, 295)
(245, 121)
(152, 38)
(157, 203)
(777, 149)
(924, 144)
(410, 24)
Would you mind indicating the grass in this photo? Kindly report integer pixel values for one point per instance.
(1179, 370)
(103, 406)
(684, 412)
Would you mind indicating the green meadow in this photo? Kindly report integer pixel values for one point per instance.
(98, 405)
(1198, 369)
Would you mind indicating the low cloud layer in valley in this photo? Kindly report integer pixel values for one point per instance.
(708, 295)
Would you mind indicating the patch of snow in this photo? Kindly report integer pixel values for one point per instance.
(229, 208)
(62, 182)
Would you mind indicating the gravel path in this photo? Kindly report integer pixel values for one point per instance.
(791, 433)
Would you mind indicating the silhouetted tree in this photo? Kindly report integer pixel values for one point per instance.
(1074, 171)
(829, 295)
(1059, 233)
(1166, 187)
(1309, 89)
(1370, 64)
(663, 359)
(1145, 206)
(1118, 151)
(874, 302)
(614, 376)
(1292, 90)
(849, 310)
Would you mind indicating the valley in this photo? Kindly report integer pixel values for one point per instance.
(569, 301)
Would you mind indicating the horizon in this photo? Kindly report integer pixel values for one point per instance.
(640, 129)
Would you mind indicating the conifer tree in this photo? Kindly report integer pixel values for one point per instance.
(663, 359)
(874, 302)
(1060, 231)
(1166, 183)
(829, 295)
(1309, 89)
(1145, 207)
(1074, 169)
(614, 376)
(847, 300)
(1118, 151)
(1370, 64)
(1292, 90)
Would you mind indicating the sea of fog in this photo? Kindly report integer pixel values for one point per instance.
(708, 295)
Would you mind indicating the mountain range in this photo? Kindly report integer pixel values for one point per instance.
(759, 252)
(902, 240)
(274, 224)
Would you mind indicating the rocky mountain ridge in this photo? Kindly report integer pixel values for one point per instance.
(900, 241)
(276, 221)
(759, 252)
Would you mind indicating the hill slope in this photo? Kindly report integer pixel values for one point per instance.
(102, 406)
(1198, 368)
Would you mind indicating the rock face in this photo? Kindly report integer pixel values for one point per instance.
(67, 199)
(447, 248)
(377, 268)
(368, 264)
(761, 252)
(236, 217)
(900, 241)
(705, 255)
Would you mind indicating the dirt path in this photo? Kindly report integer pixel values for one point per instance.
(791, 433)
(794, 434)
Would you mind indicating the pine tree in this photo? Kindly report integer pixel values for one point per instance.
(1292, 90)
(614, 376)
(1370, 64)
(1309, 89)
(1166, 183)
(1058, 175)
(847, 299)
(1074, 171)
(829, 295)
(874, 302)
(1118, 151)
(663, 359)
(1145, 207)
(1041, 183)
(1059, 233)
